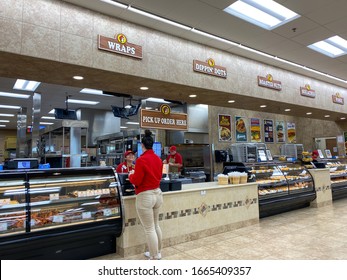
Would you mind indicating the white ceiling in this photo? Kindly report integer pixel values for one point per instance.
(319, 20)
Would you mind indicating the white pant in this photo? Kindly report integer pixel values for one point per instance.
(147, 207)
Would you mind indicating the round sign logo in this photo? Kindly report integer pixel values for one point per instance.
(121, 38)
(269, 77)
(165, 109)
(307, 86)
(211, 62)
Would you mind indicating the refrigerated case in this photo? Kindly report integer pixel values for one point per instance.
(73, 213)
(338, 176)
(282, 187)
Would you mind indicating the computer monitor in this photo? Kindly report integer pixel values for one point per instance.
(65, 114)
(120, 112)
(133, 110)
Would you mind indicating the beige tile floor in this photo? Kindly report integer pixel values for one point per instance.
(304, 234)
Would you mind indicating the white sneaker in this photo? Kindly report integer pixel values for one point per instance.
(148, 255)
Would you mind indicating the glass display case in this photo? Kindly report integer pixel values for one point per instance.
(282, 187)
(64, 208)
(338, 176)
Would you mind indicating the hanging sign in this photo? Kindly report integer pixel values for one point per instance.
(269, 82)
(119, 44)
(338, 99)
(163, 119)
(307, 91)
(210, 68)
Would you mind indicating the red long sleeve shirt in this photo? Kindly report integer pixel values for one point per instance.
(148, 172)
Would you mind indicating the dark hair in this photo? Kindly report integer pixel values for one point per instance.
(147, 140)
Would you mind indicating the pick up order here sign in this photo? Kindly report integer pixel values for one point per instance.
(160, 120)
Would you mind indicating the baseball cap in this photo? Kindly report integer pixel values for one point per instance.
(128, 153)
(173, 148)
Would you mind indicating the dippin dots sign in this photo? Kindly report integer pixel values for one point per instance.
(210, 68)
(120, 45)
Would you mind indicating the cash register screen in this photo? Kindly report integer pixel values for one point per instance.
(23, 164)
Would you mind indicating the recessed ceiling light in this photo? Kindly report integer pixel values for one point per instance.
(79, 101)
(26, 85)
(262, 106)
(333, 47)
(46, 123)
(6, 115)
(192, 95)
(231, 101)
(10, 107)
(287, 110)
(91, 91)
(343, 118)
(309, 113)
(14, 95)
(4, 121)
(266, 14)
(48, 118)
(143, 88)
(78, 77)
(326, 116)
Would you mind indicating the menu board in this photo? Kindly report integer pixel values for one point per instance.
(291, 132)
(255, 130)
(240, 129)
(280, 132)
(224, 127)
(269, 131)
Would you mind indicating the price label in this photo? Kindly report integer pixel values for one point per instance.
(58, 219)
(32, 222)
(86, 215)
(107, 212)
(54, 196)
(3, 226)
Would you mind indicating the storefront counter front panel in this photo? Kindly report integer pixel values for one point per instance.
(197, 211)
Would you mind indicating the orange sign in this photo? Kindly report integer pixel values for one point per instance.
(119, 45)
(163, 119)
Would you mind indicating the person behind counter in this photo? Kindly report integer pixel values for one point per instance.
(174, 159)
(146, 177)
(128, 165)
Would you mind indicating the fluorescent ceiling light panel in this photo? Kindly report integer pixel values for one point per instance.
(91, 91)
(158, 100)
(14, 95)
(2, 125)
(135, 123)
(48, 118)
(266, 14)
(6, 115)
(10, 107)
(46, 123)
(4, 121)
(86, 102)
(333, 47)
(26, 85)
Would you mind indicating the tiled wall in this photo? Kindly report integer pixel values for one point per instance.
(189, 214)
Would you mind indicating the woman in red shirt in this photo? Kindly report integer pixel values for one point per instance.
(146, 177)
(128, 164)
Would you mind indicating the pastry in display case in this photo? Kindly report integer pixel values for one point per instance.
(64, 208)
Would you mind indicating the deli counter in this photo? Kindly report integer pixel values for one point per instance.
(66, 213)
